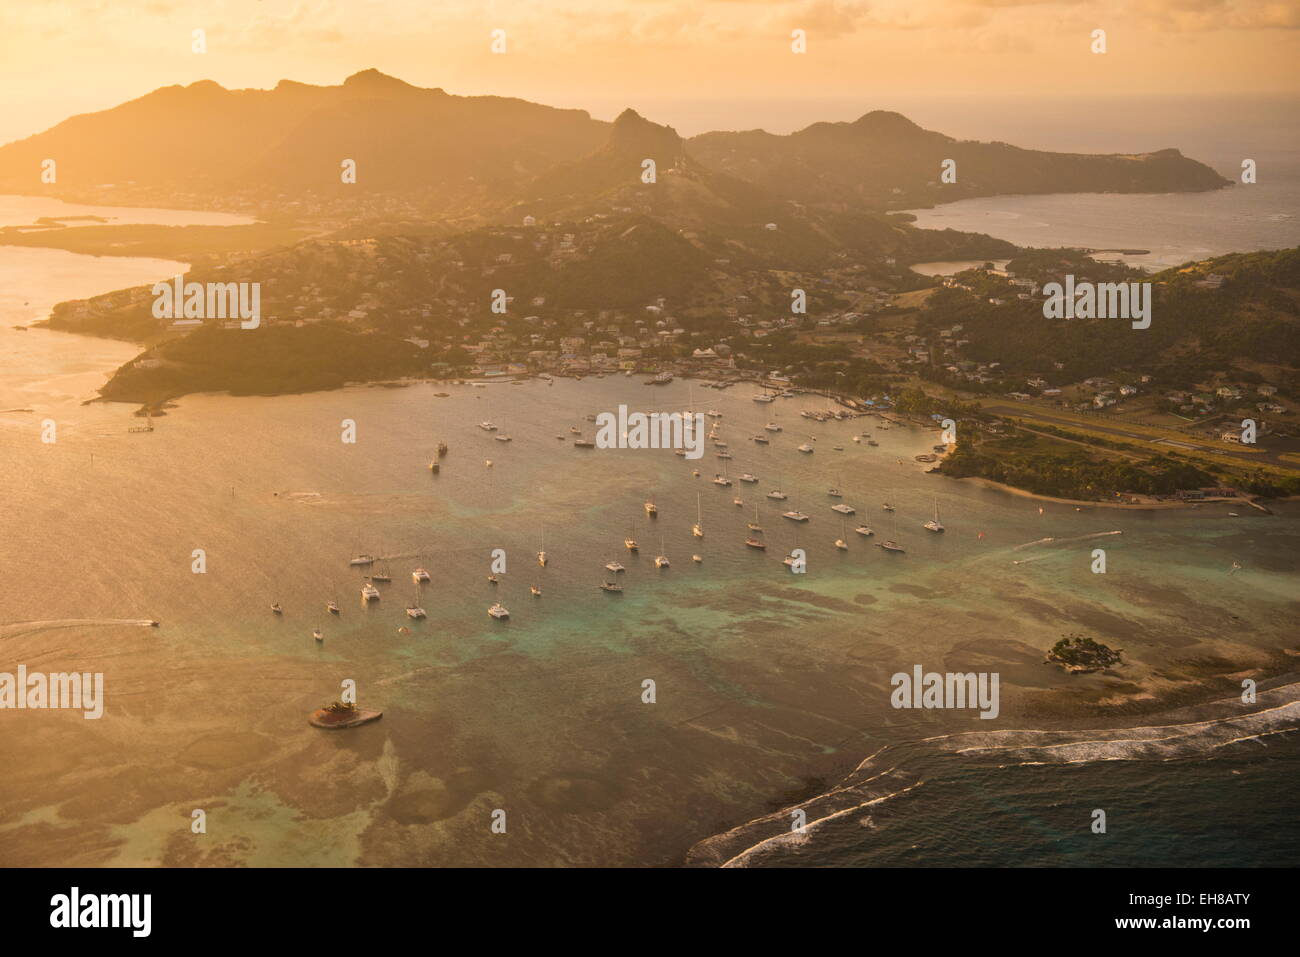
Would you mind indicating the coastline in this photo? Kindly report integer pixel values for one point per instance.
(1131, 506)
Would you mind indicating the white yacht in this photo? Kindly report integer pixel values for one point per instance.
(276, 609)
(610, 586)
(369, 592)
(777, 494)
(761, 440)
(864, 531)
(747, 477)
(317, 635)
(503, 438)
(419, 575)
(795, 515)
(362, 560)
(615, 566)
(332, 607)
(842, 508)
(806, 448)
(415, 612)
(499, 611)
(764, 397)
(721, 480)
(772, 427)
(934, 525)
(487, 426)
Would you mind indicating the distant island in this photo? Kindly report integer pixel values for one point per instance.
(294, 137)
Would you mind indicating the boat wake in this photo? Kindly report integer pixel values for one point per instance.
(17, 629)
(880, 777)
(1065, 541)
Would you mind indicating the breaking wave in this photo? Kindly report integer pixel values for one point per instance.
(881, 777)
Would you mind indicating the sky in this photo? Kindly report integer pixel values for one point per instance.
(699, 60)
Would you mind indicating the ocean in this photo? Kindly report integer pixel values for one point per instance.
(768, 687)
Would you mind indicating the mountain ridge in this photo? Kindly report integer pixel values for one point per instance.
(464, 152)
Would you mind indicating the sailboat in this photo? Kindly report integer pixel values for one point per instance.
(790, 561)
(840, 543)
(414, 610)
(498, 611)
(382, 575)
(934, 525)
(615, 566)
(754, 526)
(795, 515)
(891, 545)
(276, 609)
(651, 509)
(661, 560)
(369, 592)
(317, 635)
(537, 592)
(698, 528)
(630, 542)
(361, 558)
(541, 554)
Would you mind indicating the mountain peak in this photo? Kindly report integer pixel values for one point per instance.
(633, 133)
(885, 122)
(374, 80)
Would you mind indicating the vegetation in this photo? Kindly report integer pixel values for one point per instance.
(265, 361)
(1050, 467)
(1081, 654)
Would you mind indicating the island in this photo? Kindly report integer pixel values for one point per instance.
(340, 715)
(1079, 654)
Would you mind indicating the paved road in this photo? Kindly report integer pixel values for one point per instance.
(1271, 453)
